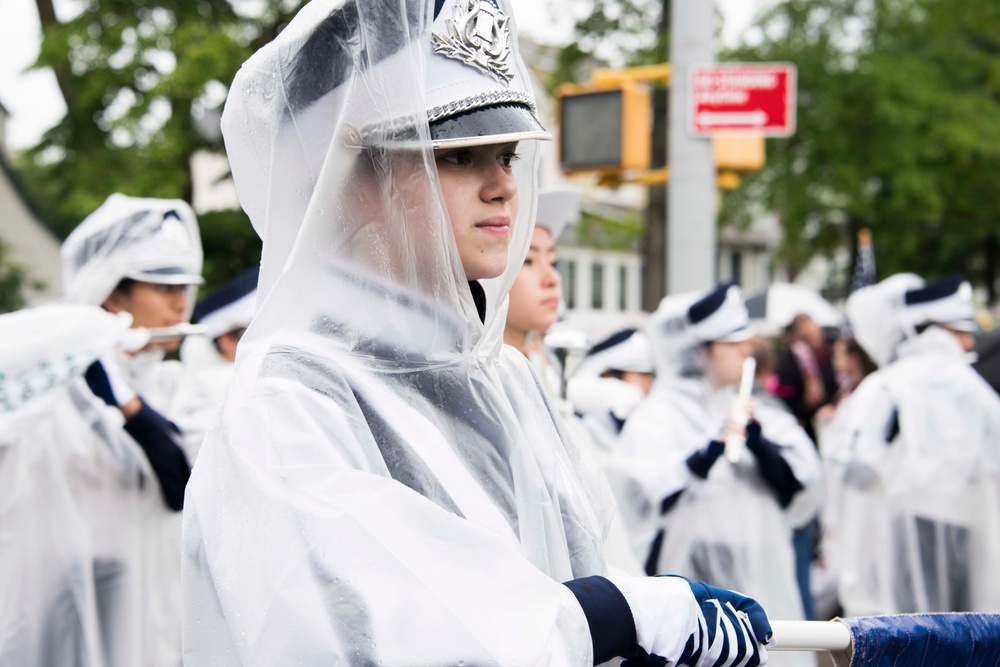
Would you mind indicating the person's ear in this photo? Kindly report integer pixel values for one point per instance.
(115, 303)
(227, 345)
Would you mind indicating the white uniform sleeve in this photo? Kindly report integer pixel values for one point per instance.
(299, 549)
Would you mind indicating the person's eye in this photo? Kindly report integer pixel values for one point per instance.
(508, 159)
(527, 261)
(460, 157)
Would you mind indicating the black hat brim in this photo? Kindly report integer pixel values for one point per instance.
(498, 124)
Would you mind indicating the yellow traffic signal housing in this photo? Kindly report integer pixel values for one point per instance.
(738, 153)
(589, 116)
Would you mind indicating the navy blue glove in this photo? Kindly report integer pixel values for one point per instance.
(670, 620)
(701, 462)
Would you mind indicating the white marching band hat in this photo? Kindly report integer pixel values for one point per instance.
(626, 350)
(947, 302)
(229, 308)
(149, 240)
(721, 316)
(556, 210)
(474, 93)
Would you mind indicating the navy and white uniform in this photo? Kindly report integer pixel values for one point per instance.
(387, 483)
(132, 498)
(691, 510)
(916, 463)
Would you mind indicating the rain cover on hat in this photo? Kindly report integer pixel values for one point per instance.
(673, 341)
(151, 240)
(386, 484)
(877, 318)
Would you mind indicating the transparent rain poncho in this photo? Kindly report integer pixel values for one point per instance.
(155, 240)
(136, 536)
(916, 464)
(54, 437)
(385, 484)
(728, 529)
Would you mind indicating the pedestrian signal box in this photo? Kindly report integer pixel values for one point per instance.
(604, 127)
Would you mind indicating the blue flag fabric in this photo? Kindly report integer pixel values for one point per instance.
(941, 640)
(864, 267)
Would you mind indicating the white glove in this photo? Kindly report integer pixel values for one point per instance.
(688, 623)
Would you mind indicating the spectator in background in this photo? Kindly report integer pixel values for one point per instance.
(766, 378)
(806, 380)
(851, 365)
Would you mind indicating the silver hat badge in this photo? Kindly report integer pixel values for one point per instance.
(479, 36)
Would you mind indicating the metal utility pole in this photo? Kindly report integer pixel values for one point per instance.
(691, 200)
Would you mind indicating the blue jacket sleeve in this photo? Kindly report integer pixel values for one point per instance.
(158, 438)
(773, 467)
(612, 626)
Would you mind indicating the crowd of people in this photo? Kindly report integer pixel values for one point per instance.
(366, 449)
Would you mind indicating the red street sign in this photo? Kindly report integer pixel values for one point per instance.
(742, 98)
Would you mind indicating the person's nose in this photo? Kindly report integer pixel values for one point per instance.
(499, 184)
(550, 276)
(180, 301)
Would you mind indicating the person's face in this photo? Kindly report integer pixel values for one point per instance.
(725, 362)
(152, 306)
(481, 197)
(965, 339)
(811, 333)
(535, 295)
(642, 380)
(227, 343)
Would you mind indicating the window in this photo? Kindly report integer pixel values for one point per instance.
(736, 267)
(597, 285)
(622, 288)
(567, 269)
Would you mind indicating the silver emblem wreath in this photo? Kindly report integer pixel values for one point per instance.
(479, 36)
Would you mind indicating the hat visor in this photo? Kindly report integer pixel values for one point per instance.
(499, 124)
(167, 277)
(964, 326)
(740, 335)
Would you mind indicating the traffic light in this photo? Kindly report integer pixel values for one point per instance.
(604, 127)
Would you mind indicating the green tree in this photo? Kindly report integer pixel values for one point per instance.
(898, 129)
(13, 280)
(143, 82)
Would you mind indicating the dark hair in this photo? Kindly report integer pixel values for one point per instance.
(124, 286)
(852, 347)
(793, 327)
(236, 333)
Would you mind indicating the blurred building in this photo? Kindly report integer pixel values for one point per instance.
(28, 241)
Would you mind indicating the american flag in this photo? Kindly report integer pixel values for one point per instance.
(864, 267)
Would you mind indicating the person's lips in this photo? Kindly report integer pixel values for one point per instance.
(552, 302)
(496, 226)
